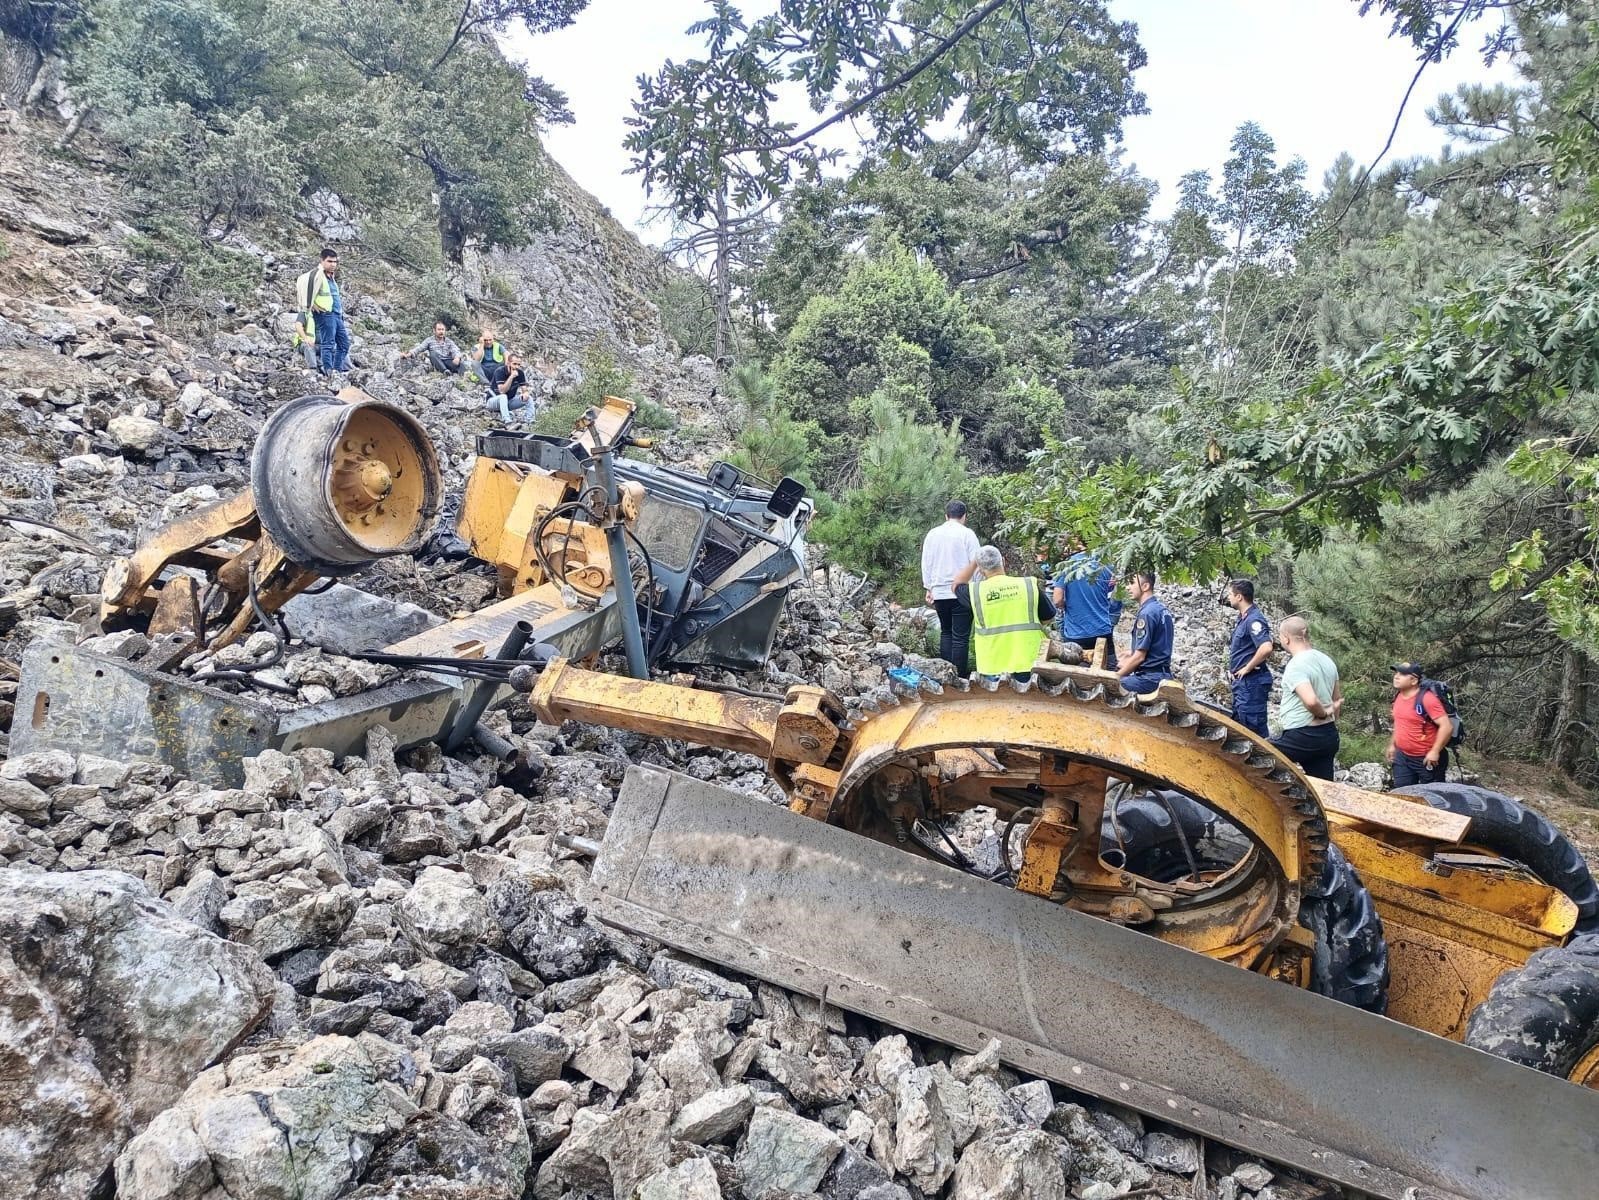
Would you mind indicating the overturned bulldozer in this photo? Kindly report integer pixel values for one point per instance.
(337, 483)
(1150, 848)
(1168, 915)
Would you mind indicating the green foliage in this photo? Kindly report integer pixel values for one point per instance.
(771, 443)
(908, 472)
(894, 327)
(230, 111)
(192, 276)
(1559, 569)
(602, 377)
(651, 417)
(1422, 589)
(688, 314)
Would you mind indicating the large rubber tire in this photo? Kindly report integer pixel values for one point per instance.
(1154, 840)
(1350, 959)
(1508, 827)
(1546, 1015)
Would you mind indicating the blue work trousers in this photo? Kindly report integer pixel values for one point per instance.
(332, 340)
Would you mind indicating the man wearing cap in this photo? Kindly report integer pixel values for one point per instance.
(1246, 658)
(1010, 614)
(1418, 748)
(1154, 632)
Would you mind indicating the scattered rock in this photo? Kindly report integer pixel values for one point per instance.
(110, 1003)
(783, 1152)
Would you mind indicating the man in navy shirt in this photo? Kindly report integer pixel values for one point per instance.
(1153, 632)
(1082, 592)
(1246, 658)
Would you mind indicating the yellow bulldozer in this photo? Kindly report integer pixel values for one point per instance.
(1167, 913)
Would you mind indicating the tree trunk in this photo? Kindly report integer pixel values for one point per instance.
(722, 280)
(1573, 736)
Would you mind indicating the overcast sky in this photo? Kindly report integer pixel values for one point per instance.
(1320, 79)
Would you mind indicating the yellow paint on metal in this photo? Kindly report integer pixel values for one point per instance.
(727, 721)
(1586, 1072)
(1443, 954)
(378, 481)
(1546, 913)
(1389, 811)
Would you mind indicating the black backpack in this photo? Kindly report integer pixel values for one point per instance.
(1447, 698)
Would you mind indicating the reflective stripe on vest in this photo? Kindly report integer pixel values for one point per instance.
(1006, 632)
(313, 291)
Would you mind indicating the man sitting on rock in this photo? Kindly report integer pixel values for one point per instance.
(511, 394)
(443, 354)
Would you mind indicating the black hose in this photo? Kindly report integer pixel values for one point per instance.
(1182, 836)
(1004, 841)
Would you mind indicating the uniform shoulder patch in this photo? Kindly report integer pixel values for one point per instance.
(1140, 623)
(1256, 627)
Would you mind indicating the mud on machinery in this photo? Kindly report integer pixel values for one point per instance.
(1174, 918)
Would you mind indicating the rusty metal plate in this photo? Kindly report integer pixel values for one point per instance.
(1240, 1058)
(78, 701)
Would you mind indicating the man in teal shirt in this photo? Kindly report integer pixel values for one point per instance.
(1311, 700)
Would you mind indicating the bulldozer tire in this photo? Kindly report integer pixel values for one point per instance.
(1508, 827)
(1154, 827)
(1546, 1015)
(1350, 960)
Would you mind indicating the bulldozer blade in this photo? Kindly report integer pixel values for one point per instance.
(1246, 1060)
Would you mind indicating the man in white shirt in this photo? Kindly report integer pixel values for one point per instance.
(945, 550)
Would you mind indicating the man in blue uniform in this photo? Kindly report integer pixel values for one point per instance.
(1082, 596)
(1150, 661)
(1246, 658)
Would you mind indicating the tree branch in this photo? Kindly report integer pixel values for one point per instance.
(1255, 516)
(944, 45)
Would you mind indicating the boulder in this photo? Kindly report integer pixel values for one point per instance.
(691, 1179)
(714, 1115)
(924, 1144)
(110, 1004)
(443, 912)
(1170, 1152)
(784, 1152)
(137, 434)
(1025, 1165)
(279, 1123)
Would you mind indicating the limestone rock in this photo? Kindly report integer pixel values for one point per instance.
(784, 1152)
(621, 1149)
(1171, 1152)
(281, 1123)
(443, 912)
(691, 1179)
(1252, 1176)
(1024, 1165)
(315, 920)
(714, 1115)
(924, 1144)
(138, 434)
(110, 1003)
(42, 768)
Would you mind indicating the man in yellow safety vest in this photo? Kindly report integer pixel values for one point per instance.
(317, 295)
(1010, 615)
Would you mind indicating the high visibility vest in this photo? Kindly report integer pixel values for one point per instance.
(304, 330)
(1006, 632)
(495, 353)
(311, 291)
